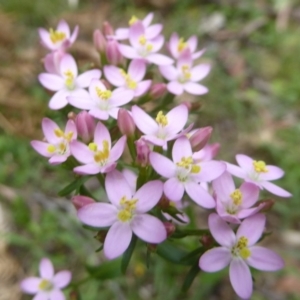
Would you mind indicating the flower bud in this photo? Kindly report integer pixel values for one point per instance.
(206, 240)
(99, 41)
(157, 90)
(113, 54)
(125, 122)
(85, 125)
(200, 138)
(81, 201)
(143, 151)
(107, 29)
(268, 204)
(170, 228)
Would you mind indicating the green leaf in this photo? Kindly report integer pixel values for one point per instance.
(74, 185)
(171, 253)
(107, 270)
(194, 253)
(127, 254)
(189, 232)
(190, 276)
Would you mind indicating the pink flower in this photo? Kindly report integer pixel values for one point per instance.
(142, 152)
(57, 144)
(67, 83)
(59, 39)
(207, 153)
(85, 125)
(151, 31)
(184, 76)
(177, 46)
(48, 286)
(239, 252)
(258, 173)
(125, 123)
(113, 54)
(131, 80)
(144, 48)
(199, 137)
(99, 156)
(101, 102)
(184, 174)
(126, 214)
(234, 204)
(164, 128)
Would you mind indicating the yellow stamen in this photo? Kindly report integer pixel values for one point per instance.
(195, 169)
(62, 147)
(69, 135)
(58, 132)
(186, 72)
(131, 84)
(260, 166)
(237, 197)
(133, 20)
(242, 242)
(149, 47)
(142, 40)
(45, 285)
(51, 148)
(181, 45)
(69, 82)
(241, 249)
(245, 253)
(56, 36)
(103, 94)
(185, 162)
(102, 156)
(128, 208)
(161, 119)
(93, 147)
(124, 215)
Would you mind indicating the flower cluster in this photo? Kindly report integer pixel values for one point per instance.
(127, 108)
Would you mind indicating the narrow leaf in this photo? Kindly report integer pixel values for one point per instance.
(189, 278)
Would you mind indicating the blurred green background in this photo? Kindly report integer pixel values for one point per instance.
(253, 105)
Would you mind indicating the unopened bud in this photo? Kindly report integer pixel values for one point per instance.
(107, 29)
(85, 125)
(170, 228)
(206, 240)
(81, 201)
(125, 122)
(200, 138)
(99, 41)
(113, 54)
(157, 90)
(143, 151)
(163, 203)
(268, 204)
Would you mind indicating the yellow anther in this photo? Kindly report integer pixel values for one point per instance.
(103, 94)
(131, 84)
(133, 20)
(237, 197)
(128, 206)
(62, 147)
(181, 45)
(186, 72)
(149, 47)
(241, 249)
(161, 119)
(58, 132)
(185, 162)
(260, 166)
(142, 40)
(56, 36)
(69, 135)
(245, 253)
(45, 285)
(93, 147)
(124, 215)
(195, 169)
(102, 156)
(242, 242)
(51, 148)
(69, 82)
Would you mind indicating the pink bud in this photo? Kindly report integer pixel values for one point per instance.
(85, 125)
(125, 122)
(200, 138)
(214, 149)
(107, 29)
(170, 228)
(99, 41)
(113, 54)
(52, 61)
(143, 151)
(81, 201)
(157, 90)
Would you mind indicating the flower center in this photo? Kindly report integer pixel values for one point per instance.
(103, 94)
(69, 81)
(161, 119)
(146, 46)
(56, 36)
(45, 285)
(131, 84)
(59, 133)
(100, 156)
(237, 197)
(260, 166)
(241, 249)
(187, 167)
(185, 73)
(128, 208)
(133, 20)
(181, 45)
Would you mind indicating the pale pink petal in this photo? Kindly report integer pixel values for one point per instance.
(215, 259)
(148, 19)
(162, 165)
(223, 186)
(63, 27)
(56, 295)
(196, 55)
(245, 162)
(51, 82)
(199, 72)
(68, 63)
(58, 159)
(121, 96)
(195, 88)
(46, 269)
(192, 42)
(148, 195)
(159, 59)
(41, 148)
(276, 190)
(157, 43)
(45, 39)
(101, 134)
(79, 93)
(272, 174)
(252, 228)
(155, 141)
(174, 189)
(113, 75)
(240, 278)
(30, 285)
(74, 34)
(89, 169)
(82, 103)
(98, 214)
(71, 127)
(128, 52)
(143, 121)
(168, 72)
(235, 170)
(247, 212)
(264, 259)
(41, 296)
(142, 88)
(113, 112)
(198, 194)
(174, 87)
(221, 231)
(84, 80)
(149, 229)
(122, 33)
(153, 31)
(99, 114)
(118, 149)
(94, 85)
(117, 240)
(62, 279)
(49, 127)
(177, 118)
(250, 194)
(81, 152)
(182, 148)
(110, 166)
(137, 69)
(185, 58)
(131, 179)
(116, 179)
(135, 32)
(59, 100)
(210, 170)
(173, 44)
